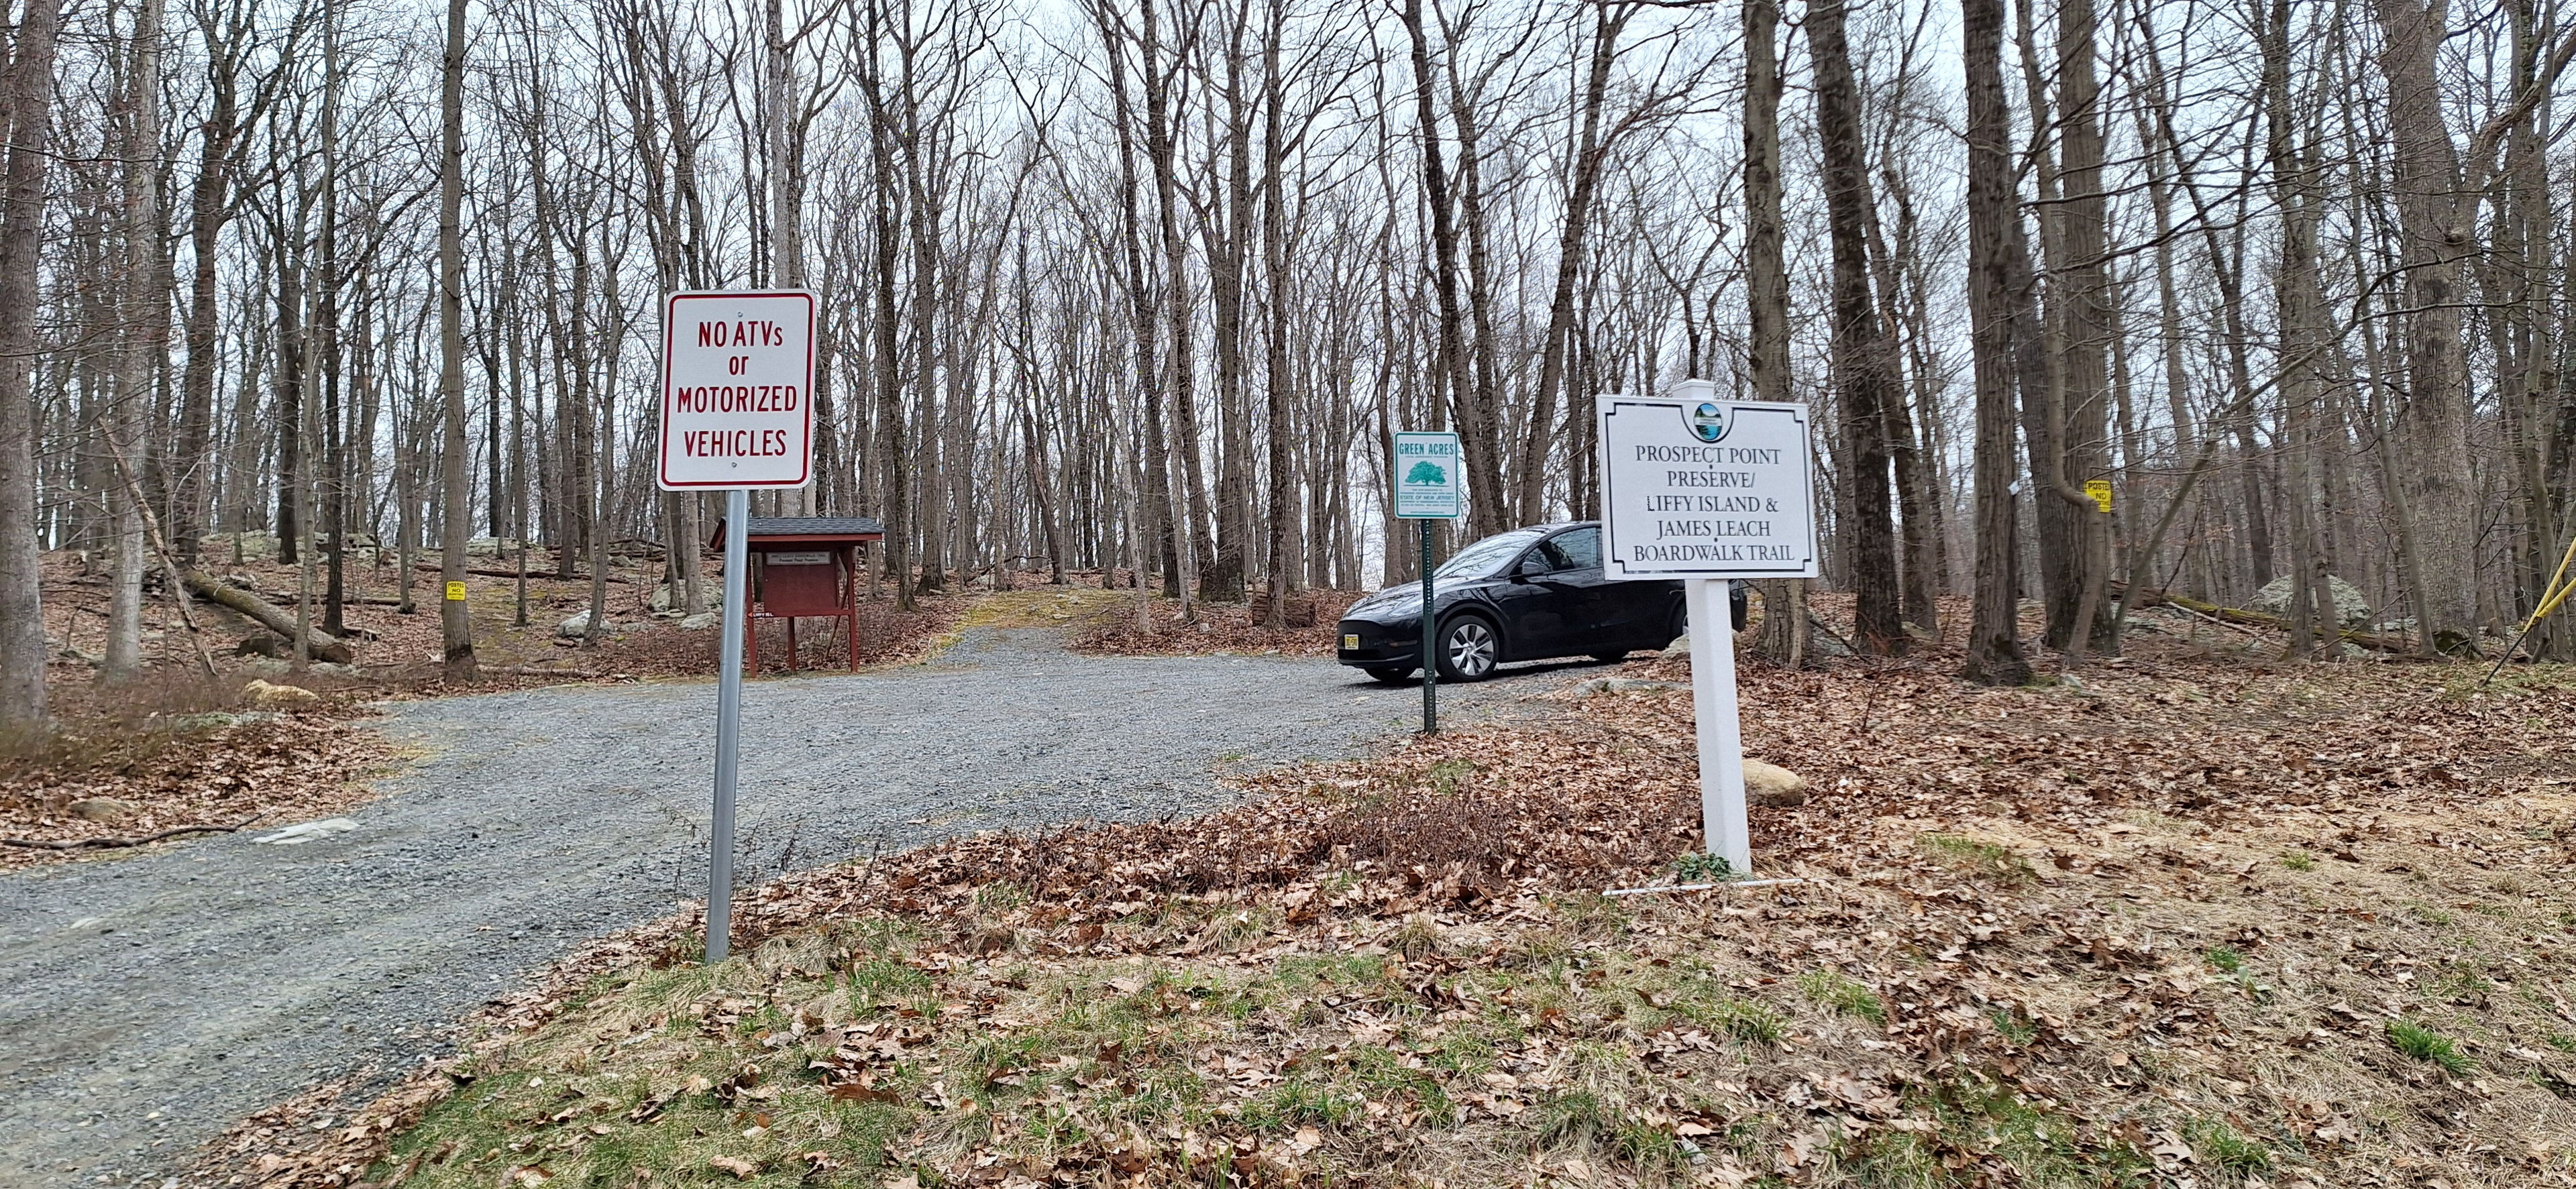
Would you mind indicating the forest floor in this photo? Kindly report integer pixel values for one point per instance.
(2191, 918)
(155, 996)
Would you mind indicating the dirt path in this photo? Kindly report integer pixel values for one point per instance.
(150, 1001)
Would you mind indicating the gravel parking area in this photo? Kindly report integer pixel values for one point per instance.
(150, 1000)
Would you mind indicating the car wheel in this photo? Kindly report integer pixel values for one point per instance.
(1468, 649)
(1389, 674)
(1611, 658)
(1679, 625)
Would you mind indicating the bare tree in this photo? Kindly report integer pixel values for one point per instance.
(456, 626)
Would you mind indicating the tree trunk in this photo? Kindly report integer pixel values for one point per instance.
(30, 102)
(2435, 439)
(1766, 285)
(1451, 384)
(1861, 363)
(456, 629)
(1274, 255)
(145, 330)
(1591, 146)
(1994, 632)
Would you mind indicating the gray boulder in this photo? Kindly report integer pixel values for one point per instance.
(2350, 609)
(666, 597)
(104, 809)
(1773, 786)
(577, 625)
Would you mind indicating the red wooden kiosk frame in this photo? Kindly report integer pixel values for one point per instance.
(803, 567)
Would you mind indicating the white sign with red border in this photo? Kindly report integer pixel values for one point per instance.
(737, 390)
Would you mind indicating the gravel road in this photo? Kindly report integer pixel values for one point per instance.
(149, 1001)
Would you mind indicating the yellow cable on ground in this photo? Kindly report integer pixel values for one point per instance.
(2557, 592)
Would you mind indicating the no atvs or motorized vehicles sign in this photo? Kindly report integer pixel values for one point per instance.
(737, 390)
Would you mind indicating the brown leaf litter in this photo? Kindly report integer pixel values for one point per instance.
(2190, 921)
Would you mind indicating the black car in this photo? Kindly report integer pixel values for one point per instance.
(1528, 594)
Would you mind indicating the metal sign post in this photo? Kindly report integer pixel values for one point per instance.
(737, 413)
(1708, 490)
(1430, 647)
(737, 593)
(1424, 484)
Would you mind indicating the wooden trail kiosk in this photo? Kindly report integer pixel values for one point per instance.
(805, 567)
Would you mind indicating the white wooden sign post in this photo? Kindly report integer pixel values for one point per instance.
(1706, 490)
(737, 413)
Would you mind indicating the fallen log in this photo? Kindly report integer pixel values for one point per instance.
(113, 843)
(2239, 616)
(545, 575)
(266, 614)
(542, 671)
(346, 599)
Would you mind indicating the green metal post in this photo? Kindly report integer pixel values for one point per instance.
(1430, 653)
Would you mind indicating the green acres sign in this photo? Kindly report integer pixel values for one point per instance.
(1426, 476)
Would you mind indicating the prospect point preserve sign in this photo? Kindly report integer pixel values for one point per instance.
(737, 389)
(1697, 487)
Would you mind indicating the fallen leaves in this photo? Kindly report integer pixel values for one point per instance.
(2056, 928)
(177, 775)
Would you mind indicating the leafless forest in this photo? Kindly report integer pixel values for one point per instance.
(1144, 285)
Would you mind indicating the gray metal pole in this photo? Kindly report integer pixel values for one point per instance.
(1430, 652)
(737, 596)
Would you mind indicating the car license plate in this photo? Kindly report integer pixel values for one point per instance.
(1350, 641)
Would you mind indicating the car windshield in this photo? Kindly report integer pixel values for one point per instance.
(1486, 556)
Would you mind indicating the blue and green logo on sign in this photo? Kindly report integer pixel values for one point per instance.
(1707, 421)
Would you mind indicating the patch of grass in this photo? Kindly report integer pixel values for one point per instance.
(1000, 897)
(1736, 1019)
(2299, 860)
(1379, 1071)
(2223, 1146)
(1574, 1116)
(2040, 1145)
(2224, 960)
(1304, 972)
(1417, 938)
(1592, 915)
(1297, 1102)
(1233, 931)
(1985, 860)
(1445, 776)
(885, 980)
(2460, 980)
(1892, 1160)
(1850, 996)
(2560, 1041)
(1648, 1146)
(2423, 1044)
(2012, 1025)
